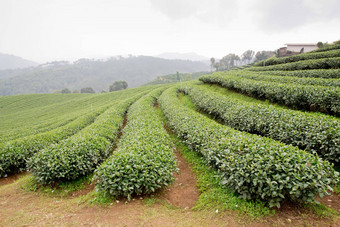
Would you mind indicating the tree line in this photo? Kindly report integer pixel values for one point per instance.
(233, 60)
(116, 86)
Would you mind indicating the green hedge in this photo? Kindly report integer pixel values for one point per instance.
(143, 161)
(252, 166)
(80, 154)
(323, 63)
(14, 154)
(286, 79)
(327, 48)
(319, 98)
(317, 73)
(299, 57)
(315, 133)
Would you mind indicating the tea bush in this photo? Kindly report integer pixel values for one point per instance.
(320, 98)
(322, 63)
(14, 154)
(144, 159)
(253, 166)
(300, 57)
(80, 154)
(317, 73)
(315, 133)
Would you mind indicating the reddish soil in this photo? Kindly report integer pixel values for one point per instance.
(183, 192)
(120, 134)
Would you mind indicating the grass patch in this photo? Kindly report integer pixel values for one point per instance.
(97, 198)
(321, 210)
(151, 201)
(63, 189)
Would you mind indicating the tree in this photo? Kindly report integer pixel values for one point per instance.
(319, 44)
(247, 56)
(228, 61)
(118, 85)
(212, 63)
(263, 55)
(66, 91)
(103, 91)
(76, 91)
(87, 90)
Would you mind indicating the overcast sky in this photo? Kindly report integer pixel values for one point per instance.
(47, 30)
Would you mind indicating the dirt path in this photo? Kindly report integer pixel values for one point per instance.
(183, 193)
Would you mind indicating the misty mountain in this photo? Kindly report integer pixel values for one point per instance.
(183, 56)
(13, 62)
(98, 74)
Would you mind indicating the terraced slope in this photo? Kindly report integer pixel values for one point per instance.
(254, 167)
(15, 153)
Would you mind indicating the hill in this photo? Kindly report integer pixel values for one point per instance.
(97, 74)
(13, 62)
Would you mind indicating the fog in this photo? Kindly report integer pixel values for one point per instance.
(48, 30)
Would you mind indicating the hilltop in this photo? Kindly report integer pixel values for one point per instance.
(13, 62)
(98, 74)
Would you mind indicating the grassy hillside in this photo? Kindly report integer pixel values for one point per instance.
(173, 78)
(96, 74)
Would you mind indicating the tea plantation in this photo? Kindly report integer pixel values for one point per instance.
(271, 132)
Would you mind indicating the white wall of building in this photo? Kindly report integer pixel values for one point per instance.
(297, 48)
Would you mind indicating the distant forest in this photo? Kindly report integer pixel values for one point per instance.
(97, 74)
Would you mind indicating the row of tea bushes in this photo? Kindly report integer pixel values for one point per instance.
(80, 154)
(254, 167)
(316, 73)
(299, 57)
(323, 63)
(144, 159)
(318, 98)
(14, 154)
(327, 48)
(286, 79)
(310, 131)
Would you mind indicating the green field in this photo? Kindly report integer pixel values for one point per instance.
(270, 134)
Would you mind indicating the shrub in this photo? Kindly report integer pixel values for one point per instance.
(143, 161)
(252, 166)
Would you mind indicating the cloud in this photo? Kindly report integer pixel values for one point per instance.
(220, 12)
(285, 15)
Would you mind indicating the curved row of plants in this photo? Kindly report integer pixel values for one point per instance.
(316, 73)
(286, 79)
(315, 133)
(323, 63)
(144, 160)
(327, 48)
(300, 57)
(80, 154)
(318, 98)
(255, 167)
(15, 153)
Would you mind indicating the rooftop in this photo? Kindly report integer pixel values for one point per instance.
(300, 44)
